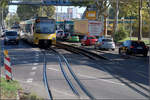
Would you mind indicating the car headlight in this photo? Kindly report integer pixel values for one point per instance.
(7, 38)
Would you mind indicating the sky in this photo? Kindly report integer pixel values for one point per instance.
(13, 8)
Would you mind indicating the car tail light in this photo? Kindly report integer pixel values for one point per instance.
(131, 46)
(145, 47)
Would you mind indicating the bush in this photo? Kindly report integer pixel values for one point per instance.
(121, 34)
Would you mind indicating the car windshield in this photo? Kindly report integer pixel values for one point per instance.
(107, 40)
(11, 33)
(136, 44)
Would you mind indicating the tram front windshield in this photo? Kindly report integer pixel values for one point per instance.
(45, 27)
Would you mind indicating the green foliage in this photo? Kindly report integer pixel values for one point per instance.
(3, 3)
(27, 11)
(121, 34)
(11, 19)
(30, 97)
(8, 89)
(47, 11)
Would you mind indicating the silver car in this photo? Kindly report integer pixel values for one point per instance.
(11, 37)
(105, 43)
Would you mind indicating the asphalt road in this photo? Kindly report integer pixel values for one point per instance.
(123, 78)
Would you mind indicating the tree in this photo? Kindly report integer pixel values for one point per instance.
(12, 19)
(3, 10)
(3, 3)
(27, 11)
(47, 11)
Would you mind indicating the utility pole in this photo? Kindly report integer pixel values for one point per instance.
(140, 20)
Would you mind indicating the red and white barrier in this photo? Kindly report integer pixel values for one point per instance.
(8, 68)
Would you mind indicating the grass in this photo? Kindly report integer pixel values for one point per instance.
(146, 40)
(30, 97)
(8, 89)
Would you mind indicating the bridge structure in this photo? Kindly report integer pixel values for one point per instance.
(47, 2)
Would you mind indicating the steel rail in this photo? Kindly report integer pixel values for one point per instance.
(87, 53)
(84, 89)
(45, 78)
(65, 74)
(67, 78)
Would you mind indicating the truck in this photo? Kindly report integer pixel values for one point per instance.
(88, 27)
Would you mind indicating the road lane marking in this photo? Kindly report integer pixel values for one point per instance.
(64, 93)
(32, 73)
(29, 80)
(34, 68)
(108, 81)
(54, 69)
(35, 63)
(35, 49)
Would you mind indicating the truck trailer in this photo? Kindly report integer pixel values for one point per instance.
(88, 27)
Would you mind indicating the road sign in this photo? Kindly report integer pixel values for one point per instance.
(91, 15)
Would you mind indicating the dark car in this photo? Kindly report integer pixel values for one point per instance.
(133, 47)
(11, 37)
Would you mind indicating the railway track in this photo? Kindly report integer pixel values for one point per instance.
(63, 66)
(84, 52)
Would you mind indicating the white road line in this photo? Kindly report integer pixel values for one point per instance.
(34, 68)
(35, 63)
(29, 80)
(54, 69)
(64, 93)
(108, 81)
(35, 49)
(32, 73)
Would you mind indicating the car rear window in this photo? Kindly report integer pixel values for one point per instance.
(11, 33)
(136, 44)
(107, 40)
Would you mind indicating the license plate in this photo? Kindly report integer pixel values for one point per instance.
(139, 47)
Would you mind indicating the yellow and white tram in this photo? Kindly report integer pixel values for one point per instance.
(39, 31)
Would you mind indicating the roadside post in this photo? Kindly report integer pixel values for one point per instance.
(7, 64)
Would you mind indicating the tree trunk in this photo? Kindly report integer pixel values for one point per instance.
(115, 24)
(105, 25)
